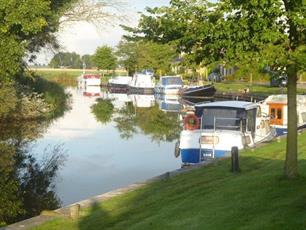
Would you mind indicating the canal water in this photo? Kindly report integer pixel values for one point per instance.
(110, 140)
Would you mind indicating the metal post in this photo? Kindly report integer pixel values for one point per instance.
(235, 160)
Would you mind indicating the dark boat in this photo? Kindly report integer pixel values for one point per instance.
(199, 91)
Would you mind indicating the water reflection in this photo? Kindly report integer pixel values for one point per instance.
(26, 183)
(133, 114)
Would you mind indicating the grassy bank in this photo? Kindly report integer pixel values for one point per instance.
(210, 198)
(239, 87)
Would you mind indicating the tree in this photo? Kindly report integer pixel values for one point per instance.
(26, 26)
(68, 60)
(104, 58)
(135, 55)
(87, 60)
(267, 32)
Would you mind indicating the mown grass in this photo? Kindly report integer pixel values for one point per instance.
(255, 89)
(210, 198)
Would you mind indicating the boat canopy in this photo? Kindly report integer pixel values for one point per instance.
(175, 80)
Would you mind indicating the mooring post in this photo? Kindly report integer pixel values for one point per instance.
(235, 159)
(75, 211)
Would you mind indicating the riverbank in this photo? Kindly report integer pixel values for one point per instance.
(209, 198)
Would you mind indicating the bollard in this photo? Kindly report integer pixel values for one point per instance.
(75, 211)
(235, 159)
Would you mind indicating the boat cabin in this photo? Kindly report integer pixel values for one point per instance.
(228, 115)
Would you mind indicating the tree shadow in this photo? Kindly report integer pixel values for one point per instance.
(94, 219)
(210, 197)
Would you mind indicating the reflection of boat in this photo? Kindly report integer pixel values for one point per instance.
(276, 107)
(218, 126)
(142, 101)
(89, 80)
(142, 84)
(169, 103)
(169, 85)
(199, 91)
(120, 82)
(92, 91)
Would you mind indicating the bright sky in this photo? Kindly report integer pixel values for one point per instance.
(84, 38)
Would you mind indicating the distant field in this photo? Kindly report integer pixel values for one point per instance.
(68, 76)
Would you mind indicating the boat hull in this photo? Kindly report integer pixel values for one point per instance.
(201, 91)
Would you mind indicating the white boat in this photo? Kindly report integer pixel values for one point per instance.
(216, 127)
(89, 79)
(170, 85)
(142, 84)
(119, 82)
(276, 107)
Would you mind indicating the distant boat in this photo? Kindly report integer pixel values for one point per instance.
(276, 107)
(170, 85)
(216, 127)
(141, 84)
(199, 91)
(120, 82)
(89, 80)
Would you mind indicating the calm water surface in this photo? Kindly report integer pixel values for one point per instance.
(135, 144)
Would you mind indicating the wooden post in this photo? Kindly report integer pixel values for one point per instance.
(235, 160)
(75, 211)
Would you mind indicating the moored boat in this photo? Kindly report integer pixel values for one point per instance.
(119, 82)
(199, 91)
(170, 85)
(276, 107)
(89, 80)
(141, 84)
(216, 127)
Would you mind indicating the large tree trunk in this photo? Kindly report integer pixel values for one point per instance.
(291, 163)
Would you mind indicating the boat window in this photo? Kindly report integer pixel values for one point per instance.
(172, 81)
(222, 118)
(279, 113)
(272, 113)
(251, 120)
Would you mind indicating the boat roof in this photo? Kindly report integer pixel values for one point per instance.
(282, 99)
(230, 104)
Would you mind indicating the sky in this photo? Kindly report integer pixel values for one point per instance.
(84, 38)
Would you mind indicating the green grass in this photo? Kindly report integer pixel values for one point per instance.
(238, 87)
(210, 198)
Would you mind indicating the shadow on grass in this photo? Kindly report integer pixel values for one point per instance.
(95, 219)
(211, 198)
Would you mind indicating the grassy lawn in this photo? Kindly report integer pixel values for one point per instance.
(236, 87)
(210, 198)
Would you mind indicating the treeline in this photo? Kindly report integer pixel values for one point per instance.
(132, 56)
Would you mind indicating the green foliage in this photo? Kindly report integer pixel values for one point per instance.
(104, 58)
(67, 60)
(146, 55)
(88, 60)
(26, 26)
(237, 32)
(103, 110)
